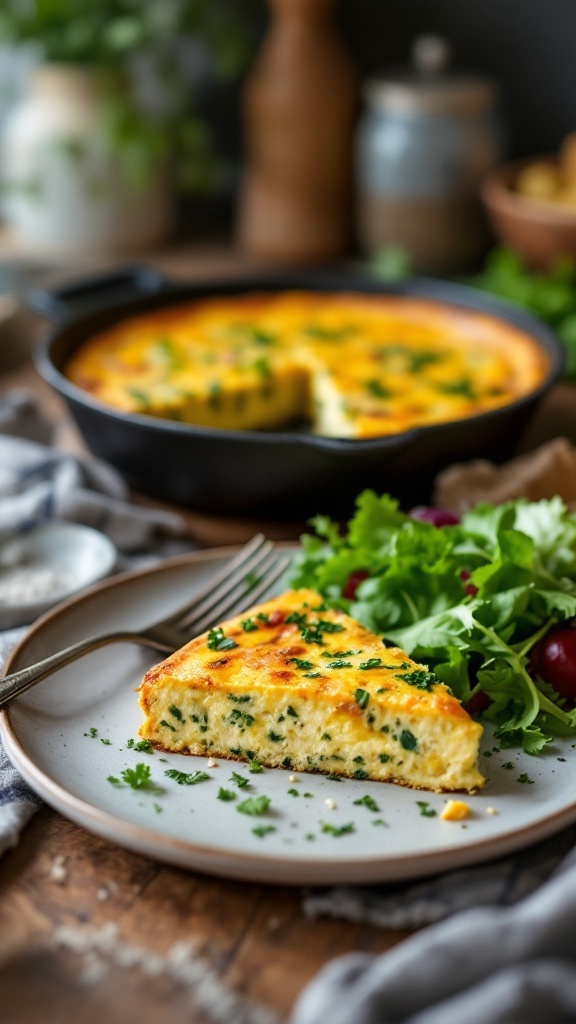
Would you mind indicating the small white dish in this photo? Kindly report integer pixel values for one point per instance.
(41, 567)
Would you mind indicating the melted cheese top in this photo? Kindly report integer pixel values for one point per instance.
(353, 365)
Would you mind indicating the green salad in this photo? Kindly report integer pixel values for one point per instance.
(472, 600)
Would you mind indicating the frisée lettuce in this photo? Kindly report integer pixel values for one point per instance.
(468, 600)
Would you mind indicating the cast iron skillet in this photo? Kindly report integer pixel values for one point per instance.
(285, 474)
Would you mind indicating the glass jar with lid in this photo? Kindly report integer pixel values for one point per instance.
(424, 144)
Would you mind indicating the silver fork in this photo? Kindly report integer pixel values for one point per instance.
(230, 591)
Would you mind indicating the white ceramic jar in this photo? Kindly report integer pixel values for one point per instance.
(426, 141)
(63, 186)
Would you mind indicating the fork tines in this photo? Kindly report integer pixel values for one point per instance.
(240, 584)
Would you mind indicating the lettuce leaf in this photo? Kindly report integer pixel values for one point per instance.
(468, 600)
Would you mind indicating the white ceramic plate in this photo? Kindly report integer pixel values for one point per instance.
(47, 734)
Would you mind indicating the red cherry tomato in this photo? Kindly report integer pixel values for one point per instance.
(553, 658)
(469, 588)
(353, 582)
(478, 703)
(436, 516)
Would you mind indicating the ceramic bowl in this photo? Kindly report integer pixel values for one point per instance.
(40, 568)
(540, 231)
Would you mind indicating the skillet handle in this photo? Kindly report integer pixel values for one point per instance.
(68, 301)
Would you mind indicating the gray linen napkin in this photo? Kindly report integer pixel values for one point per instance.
(17, 802)
(38, 483)
(494, 965)
(502, 882)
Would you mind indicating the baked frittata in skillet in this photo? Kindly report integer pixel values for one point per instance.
(351, 365)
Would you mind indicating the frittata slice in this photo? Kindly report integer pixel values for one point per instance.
(296, 685)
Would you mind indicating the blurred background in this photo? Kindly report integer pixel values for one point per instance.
(294, 131)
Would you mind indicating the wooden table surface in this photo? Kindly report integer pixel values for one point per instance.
(91, 932)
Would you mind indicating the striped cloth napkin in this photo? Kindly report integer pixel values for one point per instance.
(17, 802)
(39, 482)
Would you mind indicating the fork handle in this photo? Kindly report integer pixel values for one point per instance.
(17, 682)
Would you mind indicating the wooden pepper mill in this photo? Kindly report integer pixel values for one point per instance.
(295, 202)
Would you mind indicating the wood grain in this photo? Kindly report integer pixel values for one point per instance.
(254, 938)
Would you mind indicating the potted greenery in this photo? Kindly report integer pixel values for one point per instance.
(87, 159)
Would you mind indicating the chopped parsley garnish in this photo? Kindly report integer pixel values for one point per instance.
(333, 777)
(142, 746)
(300, 663)
(336, 830)
(240, 718)
(419, 678)
(218, 642)
(380, 821)
(107, 743)
(524, 779)
(339, 663)
(290, 711)
(325, 736)
(157, 808)
(275, 737)
(139, 777)
(408, 740)
(367, 801)
(384, 758)
(186, 778)
(377, 389)
(419, 360)
(371, 663)
(329, 627)
(262, 367)
(242, 699)
(313, 632)
(338, 654)
(92, 733)
(297, 618)
(248, 625)
(167, 725)
(240, 780)
(425, 810)
(254, 805)
(226, 794)
(508, 766)
(328, 333)
(457, 387)
(263, 830)
(361, 697)
(176, 712)
(255, 768)
(293, 792)
(140, 396)
(360, 773)
(313, 675)
(312, 635)
(258, 336)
